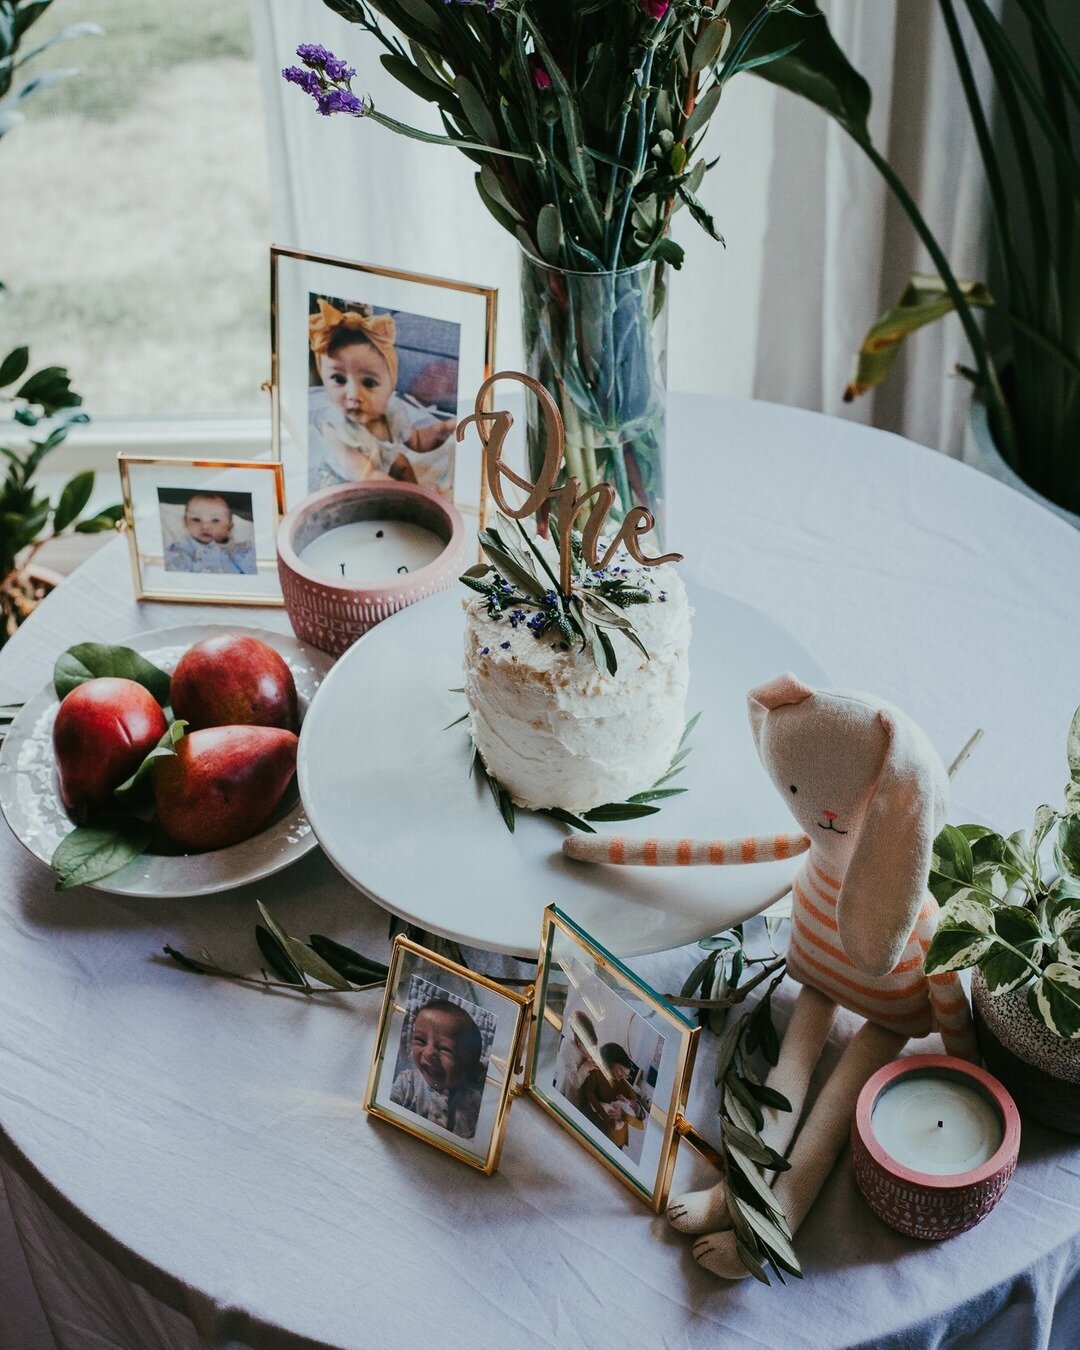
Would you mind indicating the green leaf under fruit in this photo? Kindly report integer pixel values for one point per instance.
(93, 660)
(139, 781)
(92, 853)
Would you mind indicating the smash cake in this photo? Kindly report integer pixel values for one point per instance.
(576, 701)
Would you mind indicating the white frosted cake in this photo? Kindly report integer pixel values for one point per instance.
(555, 730)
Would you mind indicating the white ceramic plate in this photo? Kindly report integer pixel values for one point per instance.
(31, 803)
(388, 793)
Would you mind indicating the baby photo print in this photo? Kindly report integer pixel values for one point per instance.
(371, 370)
(447, 1044)
(383, 395)
(206, 531)
(203, 530)
(609, 1057)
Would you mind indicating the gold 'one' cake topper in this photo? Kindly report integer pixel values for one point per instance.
(569, 499)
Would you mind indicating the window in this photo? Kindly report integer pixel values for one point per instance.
(134, 216)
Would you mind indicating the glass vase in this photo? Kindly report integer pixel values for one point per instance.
(597, 341)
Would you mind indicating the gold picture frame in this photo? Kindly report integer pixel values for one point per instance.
(527, 1054)
(166, 567)
(473, 997)
(297, 278)
(612, 993)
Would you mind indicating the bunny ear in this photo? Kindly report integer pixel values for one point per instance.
(783, 690)
(885, 882)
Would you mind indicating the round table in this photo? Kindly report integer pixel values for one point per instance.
(186, 1159)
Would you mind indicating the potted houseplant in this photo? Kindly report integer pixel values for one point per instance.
(29, 518)
(585, 123)
(1025, 425)
(36, 410)
(1017, 925)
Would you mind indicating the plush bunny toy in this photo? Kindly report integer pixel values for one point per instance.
(868, 789)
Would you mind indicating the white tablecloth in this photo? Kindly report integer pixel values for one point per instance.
(186, 1159)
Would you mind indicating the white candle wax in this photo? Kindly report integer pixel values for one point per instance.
(935, 1124)
(372, 550)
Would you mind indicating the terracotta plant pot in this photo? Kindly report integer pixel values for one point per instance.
(331, 614)
(1041, 1070)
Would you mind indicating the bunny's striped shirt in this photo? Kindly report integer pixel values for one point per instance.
(904, 1000)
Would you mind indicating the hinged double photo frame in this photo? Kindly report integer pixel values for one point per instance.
(590, 1042)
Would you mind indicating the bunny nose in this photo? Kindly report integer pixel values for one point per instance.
(829, 815)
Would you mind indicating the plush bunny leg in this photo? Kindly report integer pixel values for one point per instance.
(705, 1211)
(821, 1141)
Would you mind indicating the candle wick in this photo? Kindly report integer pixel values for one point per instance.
(402, 568)
(940, 1124)
(342, 566)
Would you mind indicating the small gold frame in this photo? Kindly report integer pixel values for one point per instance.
(489, 294)
(404, 947)
(522, 1057)
(669, 1116)
(142, 591)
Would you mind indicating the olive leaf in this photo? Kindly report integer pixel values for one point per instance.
(307, 961)
(92, 660)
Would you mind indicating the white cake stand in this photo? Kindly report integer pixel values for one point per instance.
(389, 795)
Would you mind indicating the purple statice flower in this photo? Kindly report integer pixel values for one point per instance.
(326, 79)
(340, 100)
(504, 645)
(307, 80)
(338, 70)
(313, 55)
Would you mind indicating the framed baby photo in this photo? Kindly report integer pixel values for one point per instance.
(371, 369)
(447, 1052)
(609, 1058)
(203, 530)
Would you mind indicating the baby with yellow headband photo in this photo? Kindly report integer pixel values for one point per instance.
(361, 424)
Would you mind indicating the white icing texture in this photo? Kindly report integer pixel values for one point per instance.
(557, 732)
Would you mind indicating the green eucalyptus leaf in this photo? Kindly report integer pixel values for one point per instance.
(90, 854)
(92, 660)
(1055, 999)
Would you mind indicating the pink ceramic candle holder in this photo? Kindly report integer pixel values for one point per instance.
(331, 614)
(925, 1204)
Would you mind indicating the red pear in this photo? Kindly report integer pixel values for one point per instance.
(223, 784)
(104, 730)
(234, 680)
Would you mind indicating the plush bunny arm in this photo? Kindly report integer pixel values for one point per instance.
(684, 852)
(952, 1013)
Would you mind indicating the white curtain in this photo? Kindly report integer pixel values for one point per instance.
(815, 250)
